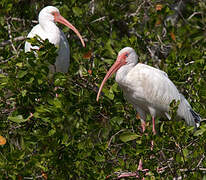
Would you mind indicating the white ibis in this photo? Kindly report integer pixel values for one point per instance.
(148, 89)
(47, 29)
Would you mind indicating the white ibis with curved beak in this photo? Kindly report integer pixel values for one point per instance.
(148, 89)
(47, 29)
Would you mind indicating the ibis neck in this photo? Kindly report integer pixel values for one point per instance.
(52, 32)
(123, 71)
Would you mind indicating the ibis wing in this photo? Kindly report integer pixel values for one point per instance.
(62, 62)
(36, 30)
(150, 87)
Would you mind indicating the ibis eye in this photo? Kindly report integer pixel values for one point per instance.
(126, 54)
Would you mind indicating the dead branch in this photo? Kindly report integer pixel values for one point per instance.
(191, 16)
(99, 19)
(10, 35)
(23, 20)
(137, 11)
(114, 136)
(4, 43)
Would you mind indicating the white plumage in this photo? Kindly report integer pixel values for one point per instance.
(47, 29)
(148, 89)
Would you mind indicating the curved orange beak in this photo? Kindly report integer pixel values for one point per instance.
(61, 19)
(118, 63)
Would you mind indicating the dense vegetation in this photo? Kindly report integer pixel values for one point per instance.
(63, 133)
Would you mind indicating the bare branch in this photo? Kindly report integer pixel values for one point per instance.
(92, 6)
(10, 35)
(4, 43)
(203, 157)
(99, 19)
(114, 136)
(163, 169)
(129, 174)
(23, 20)
(191, 16)
(136, 12)
(122, 174)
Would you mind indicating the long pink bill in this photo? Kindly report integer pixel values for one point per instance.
(61, 19)
(111, 71)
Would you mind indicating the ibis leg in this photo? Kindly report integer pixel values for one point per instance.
(153, 125)
(140, 167)
(143, 124)
(154, 131)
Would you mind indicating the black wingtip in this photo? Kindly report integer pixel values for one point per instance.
(196, 117)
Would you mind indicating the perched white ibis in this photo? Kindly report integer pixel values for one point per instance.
(148, 89)
(47, 29)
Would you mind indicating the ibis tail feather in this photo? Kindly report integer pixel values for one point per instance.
(186, 112)
(196, 117)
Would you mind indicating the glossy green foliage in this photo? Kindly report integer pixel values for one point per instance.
(53, 125)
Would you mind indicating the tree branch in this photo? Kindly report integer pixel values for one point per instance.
(10, 34)
(4, 43)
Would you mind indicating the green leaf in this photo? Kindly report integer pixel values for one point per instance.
(109, 93)
(128, 136)
(51, 132)
(185, 152)
(24, 92)
(100, 158)
(199, 132)
(117, 119)
(17, 119)
(77, 11)
(21, 74)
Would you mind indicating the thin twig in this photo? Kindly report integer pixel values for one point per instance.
(191, 16)
(23, 20)
(99, 19)
(151, 53)
(122, 174)
(105, 117)
(10, 35)
(128, 174)
(192, 170)
(136, 12)
(4, 43)
(203, 157)
(163, 169)
(114, 136)
(92, 6)
(179, 12)
(28, 178)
